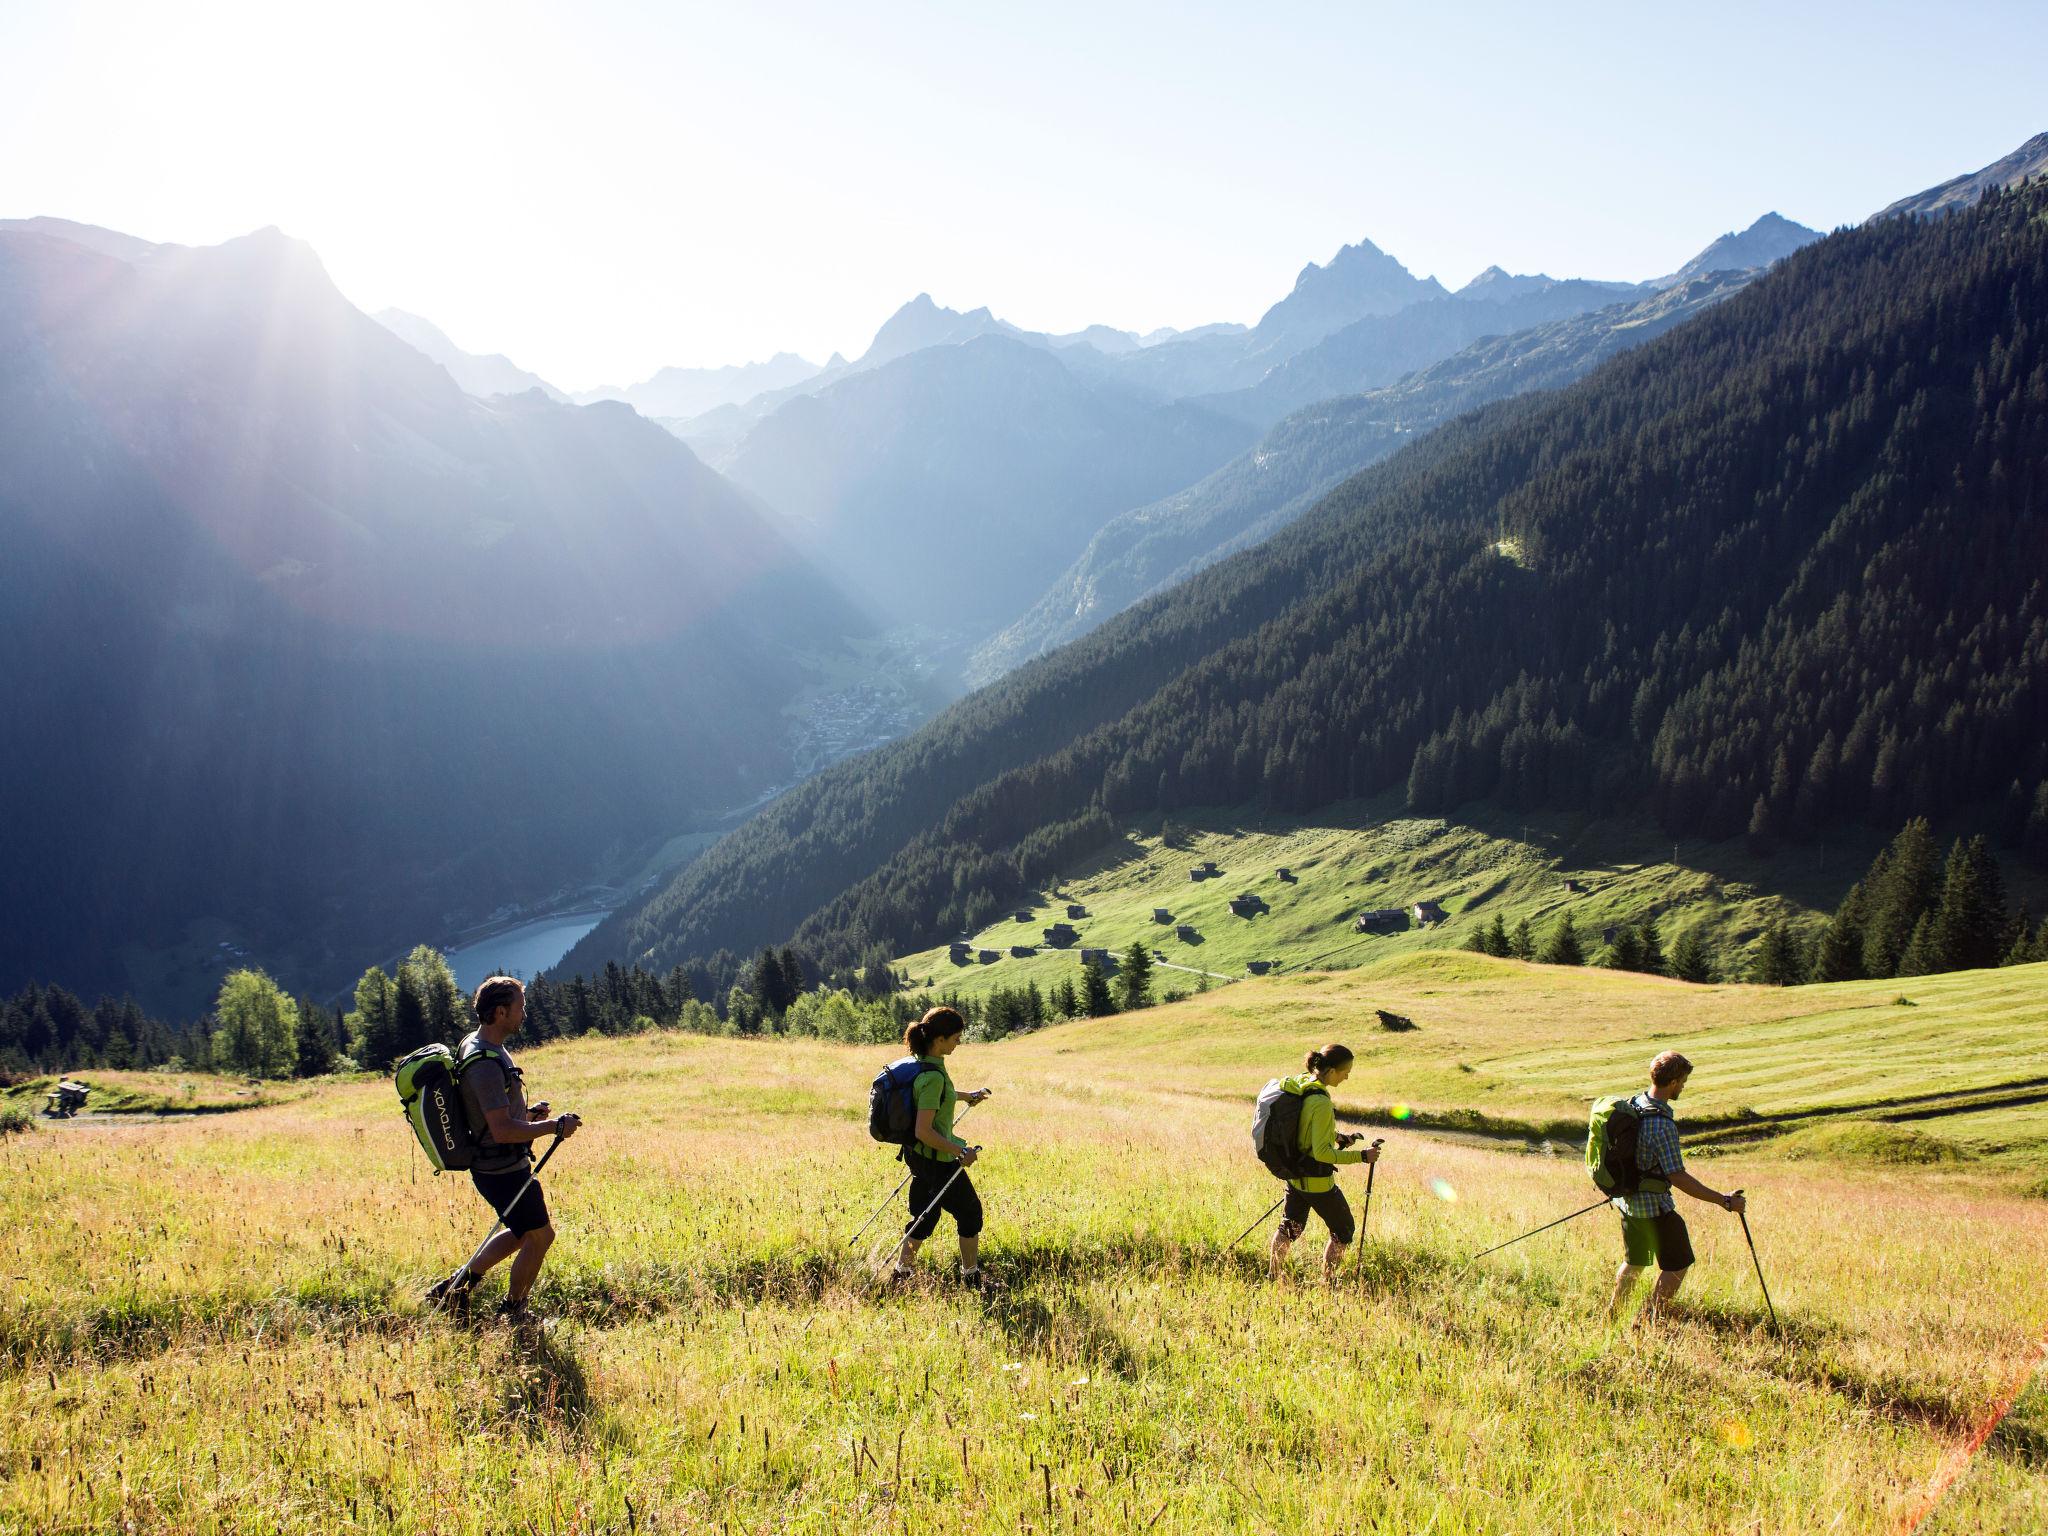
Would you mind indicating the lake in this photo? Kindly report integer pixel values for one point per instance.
(523, 951)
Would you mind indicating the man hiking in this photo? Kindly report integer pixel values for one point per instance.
(505, 1128)
(1651, 1228)
(939, 1160)
(1318, 1140)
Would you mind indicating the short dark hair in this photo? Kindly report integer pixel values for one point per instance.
(935, 1025)
(1669, 1068)
(496, 992)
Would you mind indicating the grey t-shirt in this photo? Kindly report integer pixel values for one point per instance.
(491, 1081)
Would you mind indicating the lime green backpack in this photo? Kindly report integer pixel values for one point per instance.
(1613, 1134)
(429, 1091)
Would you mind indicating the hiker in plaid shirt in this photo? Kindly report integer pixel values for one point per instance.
(1651, 1228)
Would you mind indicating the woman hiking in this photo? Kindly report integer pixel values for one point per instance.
(1319, 1140)
(939, 1160)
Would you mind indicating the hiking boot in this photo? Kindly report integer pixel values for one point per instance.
(453, 1291)
(517, 1313)
(981, 1280)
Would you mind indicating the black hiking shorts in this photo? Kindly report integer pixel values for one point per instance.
(927, 1176)
(520, 1213)
(1662, 1238)
(1330, 1205)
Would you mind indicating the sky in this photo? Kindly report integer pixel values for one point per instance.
(602, 189)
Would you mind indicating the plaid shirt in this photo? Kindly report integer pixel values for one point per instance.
(1656, 1153)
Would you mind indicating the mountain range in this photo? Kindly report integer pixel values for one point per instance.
(1723, 578)
(321, 653)
(482, 376)
(1154, 547)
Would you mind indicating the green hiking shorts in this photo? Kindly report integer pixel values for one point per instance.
(1660, 1240)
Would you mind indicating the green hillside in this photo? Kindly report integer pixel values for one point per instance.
(1372, 854)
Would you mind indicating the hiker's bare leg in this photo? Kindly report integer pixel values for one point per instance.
(970, 1252)
(906, 1253)
(1333, 1258)
(533, 1249)
(1668, 1282)
(1624, 1285)
(495, 1252)
(1276, 1256)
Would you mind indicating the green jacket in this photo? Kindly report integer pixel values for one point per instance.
(1318, 1134)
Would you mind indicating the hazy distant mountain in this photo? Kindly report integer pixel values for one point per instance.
(1376, 351)
(1771, 238)
(1361, 280)
(949, 486)
(687, 392)
(314, 648)
(1497, 287)
(479, 376)
(2023, 164)
(1300, 460)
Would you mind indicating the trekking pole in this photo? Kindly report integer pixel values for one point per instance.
(1371, 1168)
(896, 1191)
(1496, 1248)
(1248, 1231)
(920, 1216)
(469, 1264)
(1744, 1215)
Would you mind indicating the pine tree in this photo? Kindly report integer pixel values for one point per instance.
(373, 1026)
(1626, 952)
(317, 1048)
(1777, 962)
(1691, 959)
(1064, 1003)
(1971, 917)
(1921, 957)
(409, 1012)
(1900, 896)
(1477, 943)
(1839, 956)
(2022, 948)
(794, 983)
(1134, 985)
(771, 984)
(1523, 945)
(1563, 948)
(1095, 999)
(1653, 947)
(1497, 942)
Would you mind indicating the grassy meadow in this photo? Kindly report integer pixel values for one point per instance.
(212, 1323)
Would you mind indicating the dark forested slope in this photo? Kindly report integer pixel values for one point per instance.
(1787, 562)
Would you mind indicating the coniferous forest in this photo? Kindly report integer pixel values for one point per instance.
(1778, 571)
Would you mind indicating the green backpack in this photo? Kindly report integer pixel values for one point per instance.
(1613, 1134)
(430, 1093)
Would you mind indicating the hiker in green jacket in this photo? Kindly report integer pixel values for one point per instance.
(939, 1160)
(1319, 1139)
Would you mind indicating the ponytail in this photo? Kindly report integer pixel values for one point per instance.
(935, 1025)
(1328, 1056)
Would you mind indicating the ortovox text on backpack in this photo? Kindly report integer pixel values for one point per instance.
(1613, 1135)
(892, 1116)
(428, 1090)
(1276, 1132)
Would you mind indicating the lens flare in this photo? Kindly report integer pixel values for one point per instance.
(1442, 1189)
(1735, 1435)
(1402, 1111)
